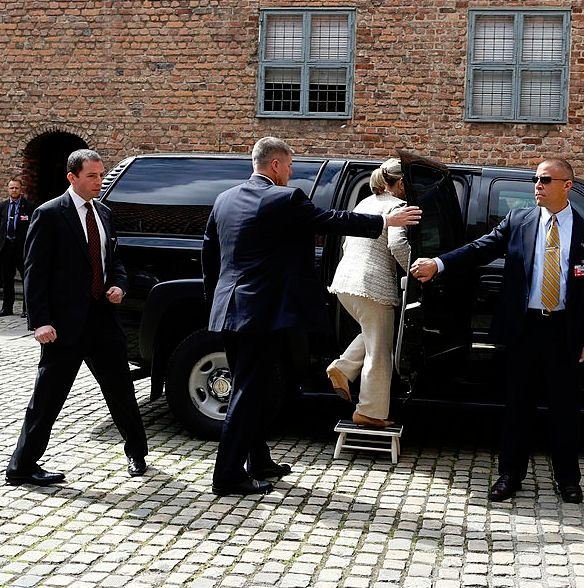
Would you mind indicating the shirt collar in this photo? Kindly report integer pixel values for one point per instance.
(562, 216)
(77, 200)
(265, 177)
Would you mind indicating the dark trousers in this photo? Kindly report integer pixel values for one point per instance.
(103, 347)
(10, 261)
(252, 358)
(542, 359)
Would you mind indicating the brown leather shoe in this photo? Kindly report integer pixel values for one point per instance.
(339, 381)
(361, 419)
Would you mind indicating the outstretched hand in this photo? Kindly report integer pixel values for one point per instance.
(403, 216)
(424, 269)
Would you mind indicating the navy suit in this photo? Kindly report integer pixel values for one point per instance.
(58, 293)
(539, 350)
(258, 267)
(11, 250)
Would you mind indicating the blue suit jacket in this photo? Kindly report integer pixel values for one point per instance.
(258, 256)
(515, 238)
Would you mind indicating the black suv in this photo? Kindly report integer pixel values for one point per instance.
(161, 203)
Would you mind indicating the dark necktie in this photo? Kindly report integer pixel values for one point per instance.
(11, 232)
(94, 245)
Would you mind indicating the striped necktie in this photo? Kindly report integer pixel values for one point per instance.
(550, 286)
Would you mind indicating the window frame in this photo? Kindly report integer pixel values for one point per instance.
(517, 66)
(306, 64)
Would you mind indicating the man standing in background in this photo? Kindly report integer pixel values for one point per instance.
(15, 215)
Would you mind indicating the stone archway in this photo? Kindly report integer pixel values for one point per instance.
(45, 160)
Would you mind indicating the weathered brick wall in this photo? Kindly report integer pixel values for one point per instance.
(131, 76)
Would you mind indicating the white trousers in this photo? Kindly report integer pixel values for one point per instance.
(370, 354)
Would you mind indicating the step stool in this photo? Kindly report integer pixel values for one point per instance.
(352, 436)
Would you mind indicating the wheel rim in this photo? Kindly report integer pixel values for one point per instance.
(210, 385)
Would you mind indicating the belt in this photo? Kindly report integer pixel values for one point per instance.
(545, 314)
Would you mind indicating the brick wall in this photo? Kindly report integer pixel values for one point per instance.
(131, 76)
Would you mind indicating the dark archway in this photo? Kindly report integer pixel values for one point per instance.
(45, 160)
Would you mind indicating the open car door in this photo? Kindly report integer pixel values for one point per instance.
(434, 329)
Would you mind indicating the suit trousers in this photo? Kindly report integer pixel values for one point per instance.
(252, 357)
(370, 354)
(103, 347)
(11, 260)
(541, 359)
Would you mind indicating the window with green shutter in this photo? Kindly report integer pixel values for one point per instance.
(518, 65)
(306, 63)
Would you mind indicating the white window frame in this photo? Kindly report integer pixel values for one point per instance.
(512, 67)
(303, 65)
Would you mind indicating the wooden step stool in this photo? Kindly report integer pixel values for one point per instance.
(352, 436)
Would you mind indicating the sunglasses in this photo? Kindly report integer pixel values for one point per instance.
(547, 179)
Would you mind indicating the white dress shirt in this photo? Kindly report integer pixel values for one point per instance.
(82, 212)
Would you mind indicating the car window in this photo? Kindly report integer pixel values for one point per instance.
(175, 195)
(506, 195)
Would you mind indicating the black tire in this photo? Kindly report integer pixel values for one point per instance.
(198, 384)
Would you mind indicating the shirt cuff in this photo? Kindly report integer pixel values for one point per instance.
(439, 264)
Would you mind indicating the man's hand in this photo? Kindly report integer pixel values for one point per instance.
(581, 360)
(45, 334)
(424, 269)
(403, 216)
(115, 295)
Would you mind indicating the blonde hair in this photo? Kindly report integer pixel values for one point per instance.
(377, 182)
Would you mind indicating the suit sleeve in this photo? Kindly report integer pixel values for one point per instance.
(38, 265)
(481, 251)
(210, 259)
(116, 272)
(341, 222)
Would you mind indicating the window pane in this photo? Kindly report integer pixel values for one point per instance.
(543, 38)
(284, 37)
(493, 39)
(328, 90)
(541, 94)
(282, 90)
(491, 93)
(329, 37)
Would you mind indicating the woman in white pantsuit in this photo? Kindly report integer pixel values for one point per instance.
(365, 283)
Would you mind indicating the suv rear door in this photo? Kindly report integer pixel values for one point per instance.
(434, 330)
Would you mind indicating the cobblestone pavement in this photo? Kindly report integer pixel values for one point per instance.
(352, 522)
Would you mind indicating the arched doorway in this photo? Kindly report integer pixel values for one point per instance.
(45, 161)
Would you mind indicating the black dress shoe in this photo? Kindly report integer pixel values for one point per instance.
(243, 488)
(38, 477)
(571, 493)
(136, 466)
(4, 312)
(504, 488)
(272, 470)
(23, 314)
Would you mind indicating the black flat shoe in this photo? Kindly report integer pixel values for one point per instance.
(272, 470)
(38, 477)
(504, 488)
(136, 466)
(243, 488)
(571, 493)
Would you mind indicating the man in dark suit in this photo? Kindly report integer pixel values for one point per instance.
(73, 281)
(15, 215)
(540, 321)
(258, 267)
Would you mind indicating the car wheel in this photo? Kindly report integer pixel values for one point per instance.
(198, 384)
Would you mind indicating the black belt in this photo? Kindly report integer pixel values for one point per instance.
(545, 314)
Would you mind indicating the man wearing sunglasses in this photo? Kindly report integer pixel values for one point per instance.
(540, 321)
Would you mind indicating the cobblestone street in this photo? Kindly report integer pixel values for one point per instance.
(354, 522)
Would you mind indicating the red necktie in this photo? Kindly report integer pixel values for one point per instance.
(94, 245)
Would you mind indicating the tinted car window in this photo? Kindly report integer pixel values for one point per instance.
(174, 196)
(506, 195)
